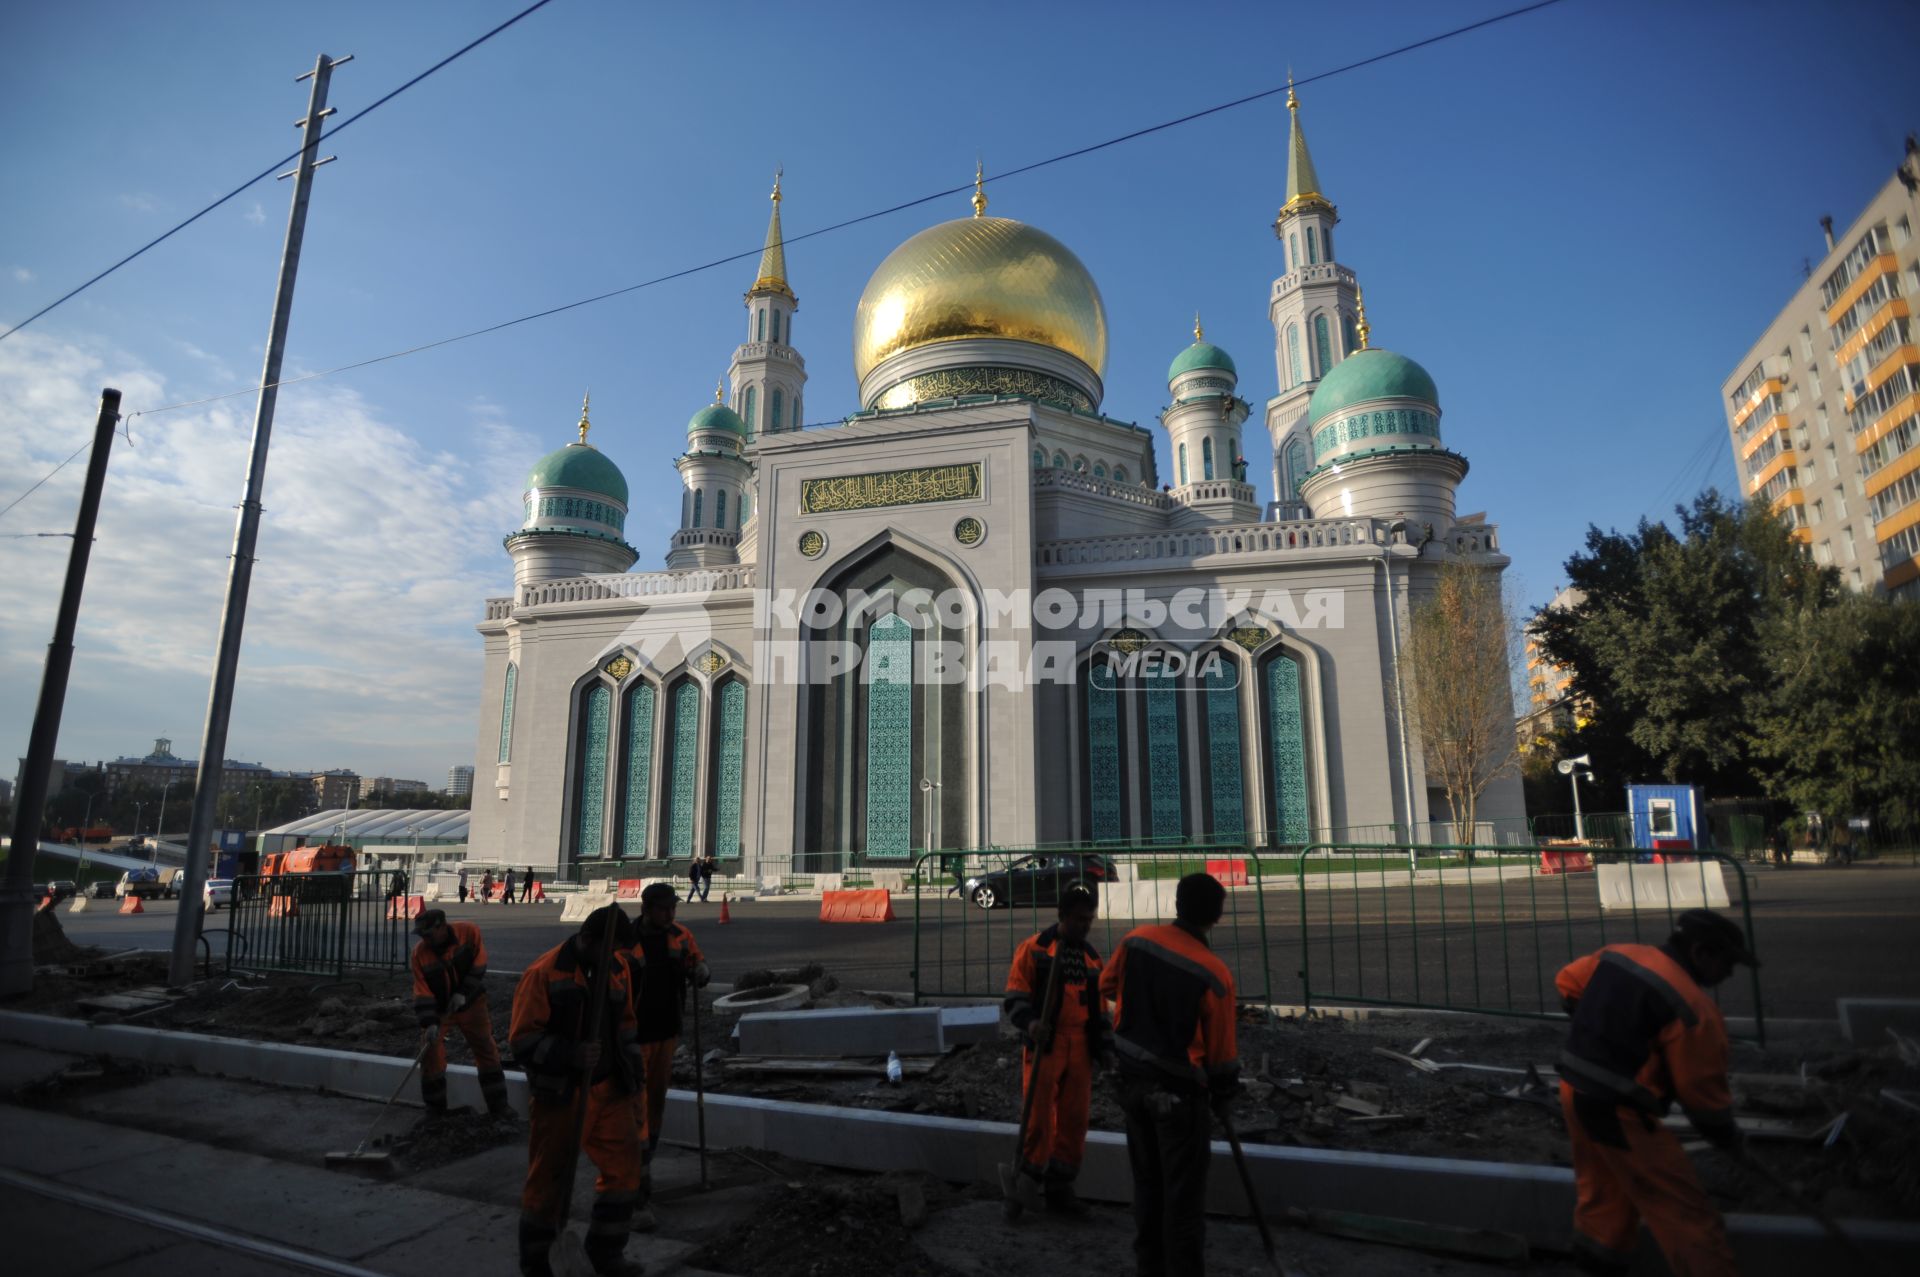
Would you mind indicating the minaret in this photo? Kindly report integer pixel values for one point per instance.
(1203, 436)
(767, 373)
(716, 476)
(1313, 307)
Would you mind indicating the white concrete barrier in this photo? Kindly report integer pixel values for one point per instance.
(1700, 884)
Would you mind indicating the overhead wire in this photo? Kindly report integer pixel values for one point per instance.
(843, 224)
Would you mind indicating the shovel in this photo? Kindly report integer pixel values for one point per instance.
(380, 1162)
(1253, 1198)
(567, 1255)
(1015, 1187)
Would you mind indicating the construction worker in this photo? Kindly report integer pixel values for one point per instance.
(449, 992)
(662, 960)
(1645, 1036)
(552, 1041)
(1178, 1063)
(1069, 1034)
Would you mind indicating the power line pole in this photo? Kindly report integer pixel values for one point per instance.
(233, 619)
(16, 891)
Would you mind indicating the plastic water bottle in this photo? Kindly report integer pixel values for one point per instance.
(894, 1071)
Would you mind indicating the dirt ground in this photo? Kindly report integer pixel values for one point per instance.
(1312, 1083)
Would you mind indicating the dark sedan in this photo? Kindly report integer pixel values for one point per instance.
(1036, 880)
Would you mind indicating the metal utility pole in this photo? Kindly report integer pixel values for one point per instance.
(233, 619)
(16, 890)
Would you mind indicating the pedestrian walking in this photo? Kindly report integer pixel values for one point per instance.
(527, 885)
(1644, 1036)
(551, 1040)
(1068, 1037)
(1178, 1061)
(486, 887)
(398, 885)
(506, 890)
(663, 961)
(449, 967)
(463, 886)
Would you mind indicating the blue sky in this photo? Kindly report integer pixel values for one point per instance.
(1578, 221)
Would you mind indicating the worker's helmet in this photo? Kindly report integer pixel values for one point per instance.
(594, 929)
(1076, 896)
(428, 920)
(659, 893)
(1704, 926)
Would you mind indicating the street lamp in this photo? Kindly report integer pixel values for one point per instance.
(927, 787)
(161, 823)
(1570, 768)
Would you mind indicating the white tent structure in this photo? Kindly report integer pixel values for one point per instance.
(434, 833)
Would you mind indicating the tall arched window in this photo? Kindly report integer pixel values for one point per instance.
(1136, 722)
(681, 774)
(1286, 779)
(1296, 464)
(720, 509)
(1323, 346)
(1293, 361)
(1293, 249)
(1349, 342)
(1183, 465)
(753, 408)
(1326, 242)
(1039, 459)
(796, 411)
(1227, 807)
(796, 421)
(637, 769)
(1313, 246)
(590, 797)
(1119, 474)
(1099, 469)
(1104, 771)
(1206, 458)
(774, 421)
(760, 325)
(506, 711)
(728, 766)
(746, 506)
(1059, 461)
(696, 507)
(890, 738)
(776, 327)
(1284, 267)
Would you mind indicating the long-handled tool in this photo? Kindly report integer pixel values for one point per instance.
(380, 1162)
(700, 1081)
(1253, 1198)
(1801, 1202)
(1013, 1185)
(568, 1255)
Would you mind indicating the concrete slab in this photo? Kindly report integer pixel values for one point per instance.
(47, 1144)
(53, 1239)
(24, 1065)
(843, 1031)
(493, 1177)
(1701, 884)
(962, 1026)
(1865, 1021)
(284, 1124)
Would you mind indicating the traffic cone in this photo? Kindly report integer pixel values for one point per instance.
(725, 916)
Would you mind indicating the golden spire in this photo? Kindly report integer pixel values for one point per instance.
(1198, 333)
(1361, 327)
(1293, 103)
(773, 258)
(585, 425)
(979, 188)
(1303, 184)
(719, 390)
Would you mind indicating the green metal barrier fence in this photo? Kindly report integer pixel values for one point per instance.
(1479, 928)
(316, 923)
(971, 910)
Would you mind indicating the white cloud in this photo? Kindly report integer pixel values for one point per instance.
(138, 201)
(23, 275)
(375, 553)
(255, 216)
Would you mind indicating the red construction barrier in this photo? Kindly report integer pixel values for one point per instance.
(131, 904)
(1231, 873)
(1669, 846)
(406, 907)
(629, 889)
(280, 906)
(856, 906)
(1565, 862)
(537, 892)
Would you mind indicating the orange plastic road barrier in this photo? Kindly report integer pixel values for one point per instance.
(725, 915)
(1565, 862)
(856, 906)
(536, 892)
(406, 907)
(629, 889)
(131, 904)
(1231, 873)
(282, 907)
(46, 902)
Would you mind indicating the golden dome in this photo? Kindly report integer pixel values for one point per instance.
(980, 277)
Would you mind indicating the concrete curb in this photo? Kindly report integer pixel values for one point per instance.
(1536, 1201)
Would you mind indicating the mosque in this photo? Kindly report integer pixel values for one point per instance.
(975, 613)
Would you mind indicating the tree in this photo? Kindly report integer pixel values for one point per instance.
(1455, 666)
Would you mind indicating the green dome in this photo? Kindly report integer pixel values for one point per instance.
(717, 416)
(1366, 375)
(1202, 354)
(582, 466)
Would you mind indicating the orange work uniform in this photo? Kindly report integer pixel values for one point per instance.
(1056, 1139)
(550, 1014)
(1644, 1036)
(1173, 1040)
(440, 975)
(658, 965)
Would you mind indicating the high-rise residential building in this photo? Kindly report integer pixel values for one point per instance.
(460, 780)
(1548, 704)
(390, 785)
(336, 788)
(1825, 409)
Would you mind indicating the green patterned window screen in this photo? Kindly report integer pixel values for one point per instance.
(506, 712)
(1313, 248)
(685, 742)
(1183, 465)
(733, 744)
(1297, 465)
(1206, 459)
(1223, 747)
(589, 837)
(890, 739)
(1103, 752)
(753, 408)
(1293, 355)
(697, 497)
(1163, 756)
(639, 771)
(720, 509)
(1286, 744)
(779, 403)
(1322, 344)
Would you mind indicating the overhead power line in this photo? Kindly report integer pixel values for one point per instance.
(266, 172)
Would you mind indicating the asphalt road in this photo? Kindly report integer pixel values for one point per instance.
(1822, 933)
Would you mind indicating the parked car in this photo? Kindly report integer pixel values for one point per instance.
(219, 891)
(1037, 879)
(104, 889)
(61, 889)
(148, 884)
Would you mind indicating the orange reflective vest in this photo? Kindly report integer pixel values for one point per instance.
(1173, 1008)
(438, 974)
(1644, 1034)
(1080, 1007)
(658, 966)
(549, 1025)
